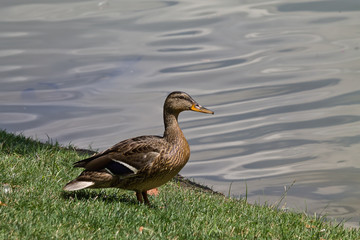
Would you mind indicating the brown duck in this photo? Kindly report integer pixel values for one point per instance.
(141, 163)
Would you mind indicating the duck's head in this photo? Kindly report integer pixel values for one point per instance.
(177, 102)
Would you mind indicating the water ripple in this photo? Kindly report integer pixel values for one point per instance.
(184, 33)
(208, 65)
(30, 94)
(215, 154)
(247, 94)
(45, 112)
(261, 131)
(319, 6)
(352, 98)
(274, 163)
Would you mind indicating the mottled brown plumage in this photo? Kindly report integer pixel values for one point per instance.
(141, 163)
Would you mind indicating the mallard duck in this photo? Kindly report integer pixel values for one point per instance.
(141, 163)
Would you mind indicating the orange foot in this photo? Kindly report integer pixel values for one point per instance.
(153, 192)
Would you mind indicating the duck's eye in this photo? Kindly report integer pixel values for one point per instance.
(198, 106)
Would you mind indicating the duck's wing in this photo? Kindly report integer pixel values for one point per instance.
(127, 157)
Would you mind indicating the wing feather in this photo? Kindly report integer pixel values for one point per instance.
(127, 157)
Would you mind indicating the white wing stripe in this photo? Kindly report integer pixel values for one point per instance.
(126, 165)
(109, 171)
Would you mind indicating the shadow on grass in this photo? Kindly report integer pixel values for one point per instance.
(85, 195)
(99, 196)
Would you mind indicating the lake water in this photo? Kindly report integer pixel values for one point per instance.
(282, 77)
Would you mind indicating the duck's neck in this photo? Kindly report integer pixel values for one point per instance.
(172, 131)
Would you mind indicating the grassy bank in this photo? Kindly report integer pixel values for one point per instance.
(33, 206)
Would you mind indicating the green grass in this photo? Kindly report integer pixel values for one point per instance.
(34, 206)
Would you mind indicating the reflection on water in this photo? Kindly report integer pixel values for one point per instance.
(281, 77)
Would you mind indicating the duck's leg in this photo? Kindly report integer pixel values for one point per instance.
(139, 197)
(144, 194)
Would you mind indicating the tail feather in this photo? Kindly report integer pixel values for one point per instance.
(77, 185)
